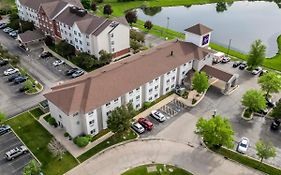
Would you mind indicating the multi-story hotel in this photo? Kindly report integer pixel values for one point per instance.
(68, 20)
(82, 106)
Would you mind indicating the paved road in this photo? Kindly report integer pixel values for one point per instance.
(194, 159)
(12, 104)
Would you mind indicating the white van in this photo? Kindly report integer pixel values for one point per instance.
(218, 57)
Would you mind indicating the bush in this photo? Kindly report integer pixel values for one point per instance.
(52, 122)
(81, 141)
(66, 134)
(138, 36)
(247, 113)
(98, 1)
(135, 45)
(65, 49)
(147, 105)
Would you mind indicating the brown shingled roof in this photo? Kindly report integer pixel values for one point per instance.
(53, 8)
(30, 36)
(217, 73)
(199, 29)
(35, 4)
(114, 80)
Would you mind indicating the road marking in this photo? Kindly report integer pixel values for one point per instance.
(18, 158)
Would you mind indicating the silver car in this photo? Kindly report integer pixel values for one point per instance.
(138, 127)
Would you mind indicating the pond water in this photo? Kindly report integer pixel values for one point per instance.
(242, 22)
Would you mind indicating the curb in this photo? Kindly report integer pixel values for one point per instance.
(247, 119)
(34, 93)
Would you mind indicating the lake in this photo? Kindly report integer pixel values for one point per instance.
(242, 22)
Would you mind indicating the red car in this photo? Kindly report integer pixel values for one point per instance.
(145, 123)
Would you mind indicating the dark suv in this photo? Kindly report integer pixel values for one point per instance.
(4, 129)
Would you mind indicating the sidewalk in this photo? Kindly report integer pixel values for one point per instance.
(73, 149)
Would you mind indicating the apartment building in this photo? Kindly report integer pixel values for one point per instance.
(82, 105)
(68, 20)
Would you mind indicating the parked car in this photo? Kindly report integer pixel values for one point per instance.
(243, 145)
(58, 62)
(158, 115)
(71, 71)
(257, 71)
(7, 30)
(275, 124)
(148, 125)
(243, 65)
(3, 62)
(270, 103)
(3, 25)
(4, 129)
(138, 127)
(10, 71)
(77, 73)
(20, 79)
(236, 64)
(14, 33)
(12, 78)
(18, 151)
(263, 72)
(225, 60)
(45, 54)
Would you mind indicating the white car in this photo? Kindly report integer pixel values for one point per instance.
(58, 62)
(138, 127)
(243, 145)
(158, 115)
(256, 71)
(7, 30)
(10, 71)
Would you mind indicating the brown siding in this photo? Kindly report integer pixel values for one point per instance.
(121, 52)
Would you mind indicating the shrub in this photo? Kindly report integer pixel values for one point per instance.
(135, 45)
(147, 105)
(247, 113)
(99, 1)
(81, 141)
(66, 134)
(138, 36)
(52, 122)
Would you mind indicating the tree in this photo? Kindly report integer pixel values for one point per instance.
(56, 148)
(86, 4)
(131, 17)
(254, 100)
(105, 56)
(138, 36)
(151, 11)
(270, 83)
(65, 49)
(256, 54)
(119, 119)
(49, 41)
(82, 141)
(276, 112)
(99, 1)
(2, 117)
(94, 6)
(216, 131)
(107, 10)
(135, 45)
(200, 82)
(32, 168)
(84, 60)
(221, 7)
(148, 25)
(26, 25)
(265, 150)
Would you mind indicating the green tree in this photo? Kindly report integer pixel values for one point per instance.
(32, 168)
(86, 4)
(81, 141)
(135, 45)
(216, 131)
(200, 82)
(148, 25)
(270, 83)
(131, 17)
(2, 117)
(119, 119)
(276, 112)
(94, 6)
(107, 10)
(221, 7)
(254, 100)
(84, 60)
(256, 54)
(151, 11)
(265, 150)
(65, 49)
(138, 36)
(105, 56)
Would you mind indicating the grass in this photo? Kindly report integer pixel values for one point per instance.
(100, 134)
(36, 112)
(114, 139)
(37, 138)
(37, 87)
(142, 170)
(250, 162)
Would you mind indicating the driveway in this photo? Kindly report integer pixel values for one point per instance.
(12, 104)
(196, 159)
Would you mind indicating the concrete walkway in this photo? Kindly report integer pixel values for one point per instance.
(197, 159)
(73, 149)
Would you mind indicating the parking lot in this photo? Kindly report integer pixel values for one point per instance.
(9, 141)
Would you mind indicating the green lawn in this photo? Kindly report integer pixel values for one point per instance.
(116, 138)
(36, 112)
(142, 170)
(37, 138)
(248, 161)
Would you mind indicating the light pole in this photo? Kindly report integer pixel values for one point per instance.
(167, 26)
(228, 48)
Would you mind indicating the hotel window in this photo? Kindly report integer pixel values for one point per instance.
(90, 113)
(87, 36)
(168, 81)
(75, 114)
(93, 131)
(69, 34)
(92, 122)
(88, 51)
(76, 40)
(173, 78)
(137, 89)
(151, 82)
(112, 35)
(107, 104)
(150, 98)
(138, 105)
(69, 27)
(156, 95)
(174, 70)
(116, 100)
(168, 73)
(183, 72)
(80, 41)
(130, 92)
(150, 90)
(131, 101)
(88, 43)
(75, 33)
(79, 34)
(156, 87)
(108, 113)
(173, 86)
(65, 32)
(112, 42)
(59, 116)
(167, 89)
(138, 97)
(112, 49)
(156, 79)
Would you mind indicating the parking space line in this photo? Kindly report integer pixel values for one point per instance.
(20, 168)
(18, 158)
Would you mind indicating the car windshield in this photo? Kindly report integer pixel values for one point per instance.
(243, 145)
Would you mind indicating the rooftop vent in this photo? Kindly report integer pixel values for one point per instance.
(73, 9)
(172, 53)
(114, 24)
(78, 11)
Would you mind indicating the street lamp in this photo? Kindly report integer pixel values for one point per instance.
(228, 48)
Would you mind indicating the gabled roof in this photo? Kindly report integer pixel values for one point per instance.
(199, 29)
(30, 36)
(53, 8)
(217, 73)
(109, 82)
(35, 4)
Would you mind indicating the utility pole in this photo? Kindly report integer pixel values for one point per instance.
(229, 43)
(167, 25)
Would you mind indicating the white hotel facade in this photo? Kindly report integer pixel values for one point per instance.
(68, 20)
(82, 106)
